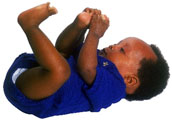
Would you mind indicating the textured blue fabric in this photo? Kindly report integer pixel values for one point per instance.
(74, 96)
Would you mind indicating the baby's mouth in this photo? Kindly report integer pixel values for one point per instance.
(102, 52)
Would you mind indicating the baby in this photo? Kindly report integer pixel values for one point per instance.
(74, 76)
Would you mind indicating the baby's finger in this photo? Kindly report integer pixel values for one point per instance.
(96, 11)
(105, 18)
(94, 17)
(86, 10)
(89, 10)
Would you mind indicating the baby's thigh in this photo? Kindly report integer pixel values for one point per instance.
(37, 83)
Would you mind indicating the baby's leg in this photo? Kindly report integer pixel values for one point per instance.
(42, 81)
(73, 35)
(68, 39)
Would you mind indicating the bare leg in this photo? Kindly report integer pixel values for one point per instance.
(73, 35)
(43, 81)
(68, 39)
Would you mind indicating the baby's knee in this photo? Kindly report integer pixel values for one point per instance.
(64, 71)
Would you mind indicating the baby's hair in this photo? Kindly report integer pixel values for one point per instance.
(153, 76)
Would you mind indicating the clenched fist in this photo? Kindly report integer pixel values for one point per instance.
(99, 24)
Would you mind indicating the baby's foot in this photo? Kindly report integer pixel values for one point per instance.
(34, 16)
(82, 21)
(92, 11)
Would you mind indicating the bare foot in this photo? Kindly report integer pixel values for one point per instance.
(92, 11)
(82, 21)
(34, 16)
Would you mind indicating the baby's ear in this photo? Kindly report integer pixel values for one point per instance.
(132, 83)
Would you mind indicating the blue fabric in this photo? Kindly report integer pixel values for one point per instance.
(74, 96)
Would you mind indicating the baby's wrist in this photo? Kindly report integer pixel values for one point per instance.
(94, 35)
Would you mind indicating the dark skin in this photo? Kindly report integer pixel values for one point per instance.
(73, 35)
(42, 81)
(87, 67)
(126, 55)
(98, 24)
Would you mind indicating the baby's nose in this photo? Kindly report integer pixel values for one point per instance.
(112, 47)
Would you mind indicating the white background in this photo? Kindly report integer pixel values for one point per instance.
(150, 20)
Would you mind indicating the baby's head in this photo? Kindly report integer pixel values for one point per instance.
(142, 66)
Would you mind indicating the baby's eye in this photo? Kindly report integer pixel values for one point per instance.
(122, 50)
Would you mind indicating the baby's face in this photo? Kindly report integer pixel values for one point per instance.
(127, 54)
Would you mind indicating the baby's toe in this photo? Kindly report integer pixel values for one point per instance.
(52, 10)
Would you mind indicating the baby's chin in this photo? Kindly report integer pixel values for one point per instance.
(102, 53)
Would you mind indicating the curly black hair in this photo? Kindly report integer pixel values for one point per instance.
(153, 76)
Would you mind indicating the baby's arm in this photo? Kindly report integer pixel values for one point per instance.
(73, 35)
(87, 60)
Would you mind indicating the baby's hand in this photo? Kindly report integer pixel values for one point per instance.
(83, 19)
(99, 24)
(92, 11)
